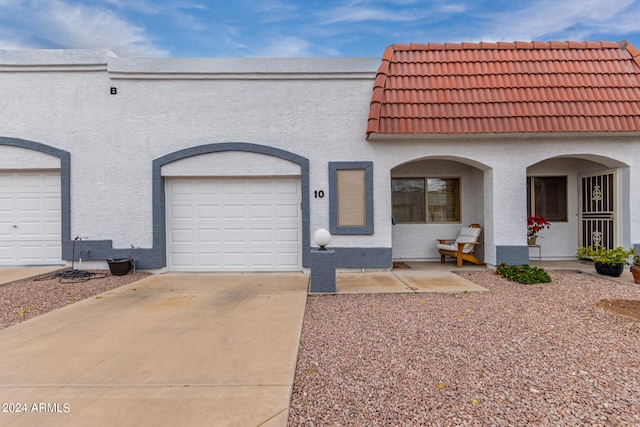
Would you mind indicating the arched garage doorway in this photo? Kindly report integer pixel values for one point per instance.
(233, 207)
(34, 203)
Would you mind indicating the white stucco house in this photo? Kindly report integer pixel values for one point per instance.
(232, 164)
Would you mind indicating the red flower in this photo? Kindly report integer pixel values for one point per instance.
(535, 224)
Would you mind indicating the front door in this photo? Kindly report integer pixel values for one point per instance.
(598, 205)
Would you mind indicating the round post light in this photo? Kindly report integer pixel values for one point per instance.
(322, 238)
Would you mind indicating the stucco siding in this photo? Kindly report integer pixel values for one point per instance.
(13, 158)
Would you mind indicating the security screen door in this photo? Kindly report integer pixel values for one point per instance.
(598, 201)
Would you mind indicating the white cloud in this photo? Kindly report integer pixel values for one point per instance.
(358, 11)
(569, 19)
(60, 24)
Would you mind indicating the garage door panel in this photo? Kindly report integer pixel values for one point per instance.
(30, 218)
(291, 259)
(53, 251)
(260, 187)
(29, 205)
(261, 211)
(208, 235)
(5, 204)
(30, 229)
(233, 187)
(33, 253)
(261, 235)
(182, 211)
(287, 187)
(290, 235)
(208, 211)
(234, 235)
(181, 236)
(234, 259)
(208, 258)
(247, 224)
(182, 259)
(235, 211)
(52, 229)
(288, 211)
(261, 258)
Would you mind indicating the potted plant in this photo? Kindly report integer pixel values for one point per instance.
(635, 268)
(609, 262)
(534, 225)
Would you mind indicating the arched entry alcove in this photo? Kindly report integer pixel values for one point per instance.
(432, 197)
(585, 199)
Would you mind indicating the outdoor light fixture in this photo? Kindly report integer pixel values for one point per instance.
(322, 238)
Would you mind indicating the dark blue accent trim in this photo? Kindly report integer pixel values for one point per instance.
(323, 271)
(334, 228)
(363, 257)
(159, 256)
(512, 255)
(65, 185)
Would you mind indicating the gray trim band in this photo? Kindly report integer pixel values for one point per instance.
(512, 255)
(363, 257)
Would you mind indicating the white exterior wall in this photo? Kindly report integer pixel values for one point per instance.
(314, 108)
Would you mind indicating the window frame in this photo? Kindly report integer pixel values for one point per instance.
(425, 180)
(334, 227)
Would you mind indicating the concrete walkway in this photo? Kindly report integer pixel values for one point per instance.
(13, 274)
(417, 277)
(171, 349)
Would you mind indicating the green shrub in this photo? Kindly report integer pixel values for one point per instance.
(524, 274)
(615, 256)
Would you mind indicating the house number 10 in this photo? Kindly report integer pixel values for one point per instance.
(318, 194)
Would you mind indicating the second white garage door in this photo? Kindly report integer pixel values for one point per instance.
(234, 224)
(30, 216)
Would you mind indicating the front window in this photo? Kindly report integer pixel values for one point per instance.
(547, 197)
(430, 200)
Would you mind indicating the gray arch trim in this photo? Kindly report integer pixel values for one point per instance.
(65, 185)
(158, 255)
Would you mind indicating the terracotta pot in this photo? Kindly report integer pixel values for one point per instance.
(635, 270)
(609, 270)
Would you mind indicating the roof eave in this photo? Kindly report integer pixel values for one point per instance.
(512, 135)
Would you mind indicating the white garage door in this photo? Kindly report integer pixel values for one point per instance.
(234, 224)
(30, 218)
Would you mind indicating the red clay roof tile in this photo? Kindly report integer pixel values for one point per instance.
(519, 87)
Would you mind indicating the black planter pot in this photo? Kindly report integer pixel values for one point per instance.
(609, 270)
(119, 266)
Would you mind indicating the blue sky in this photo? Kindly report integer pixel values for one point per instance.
(310, 28)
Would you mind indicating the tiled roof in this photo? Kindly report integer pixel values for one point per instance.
(520, 87)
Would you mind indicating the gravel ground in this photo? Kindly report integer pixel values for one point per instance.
(541, 355)
(20, 301)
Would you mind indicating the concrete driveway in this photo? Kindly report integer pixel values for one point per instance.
(172, 349)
